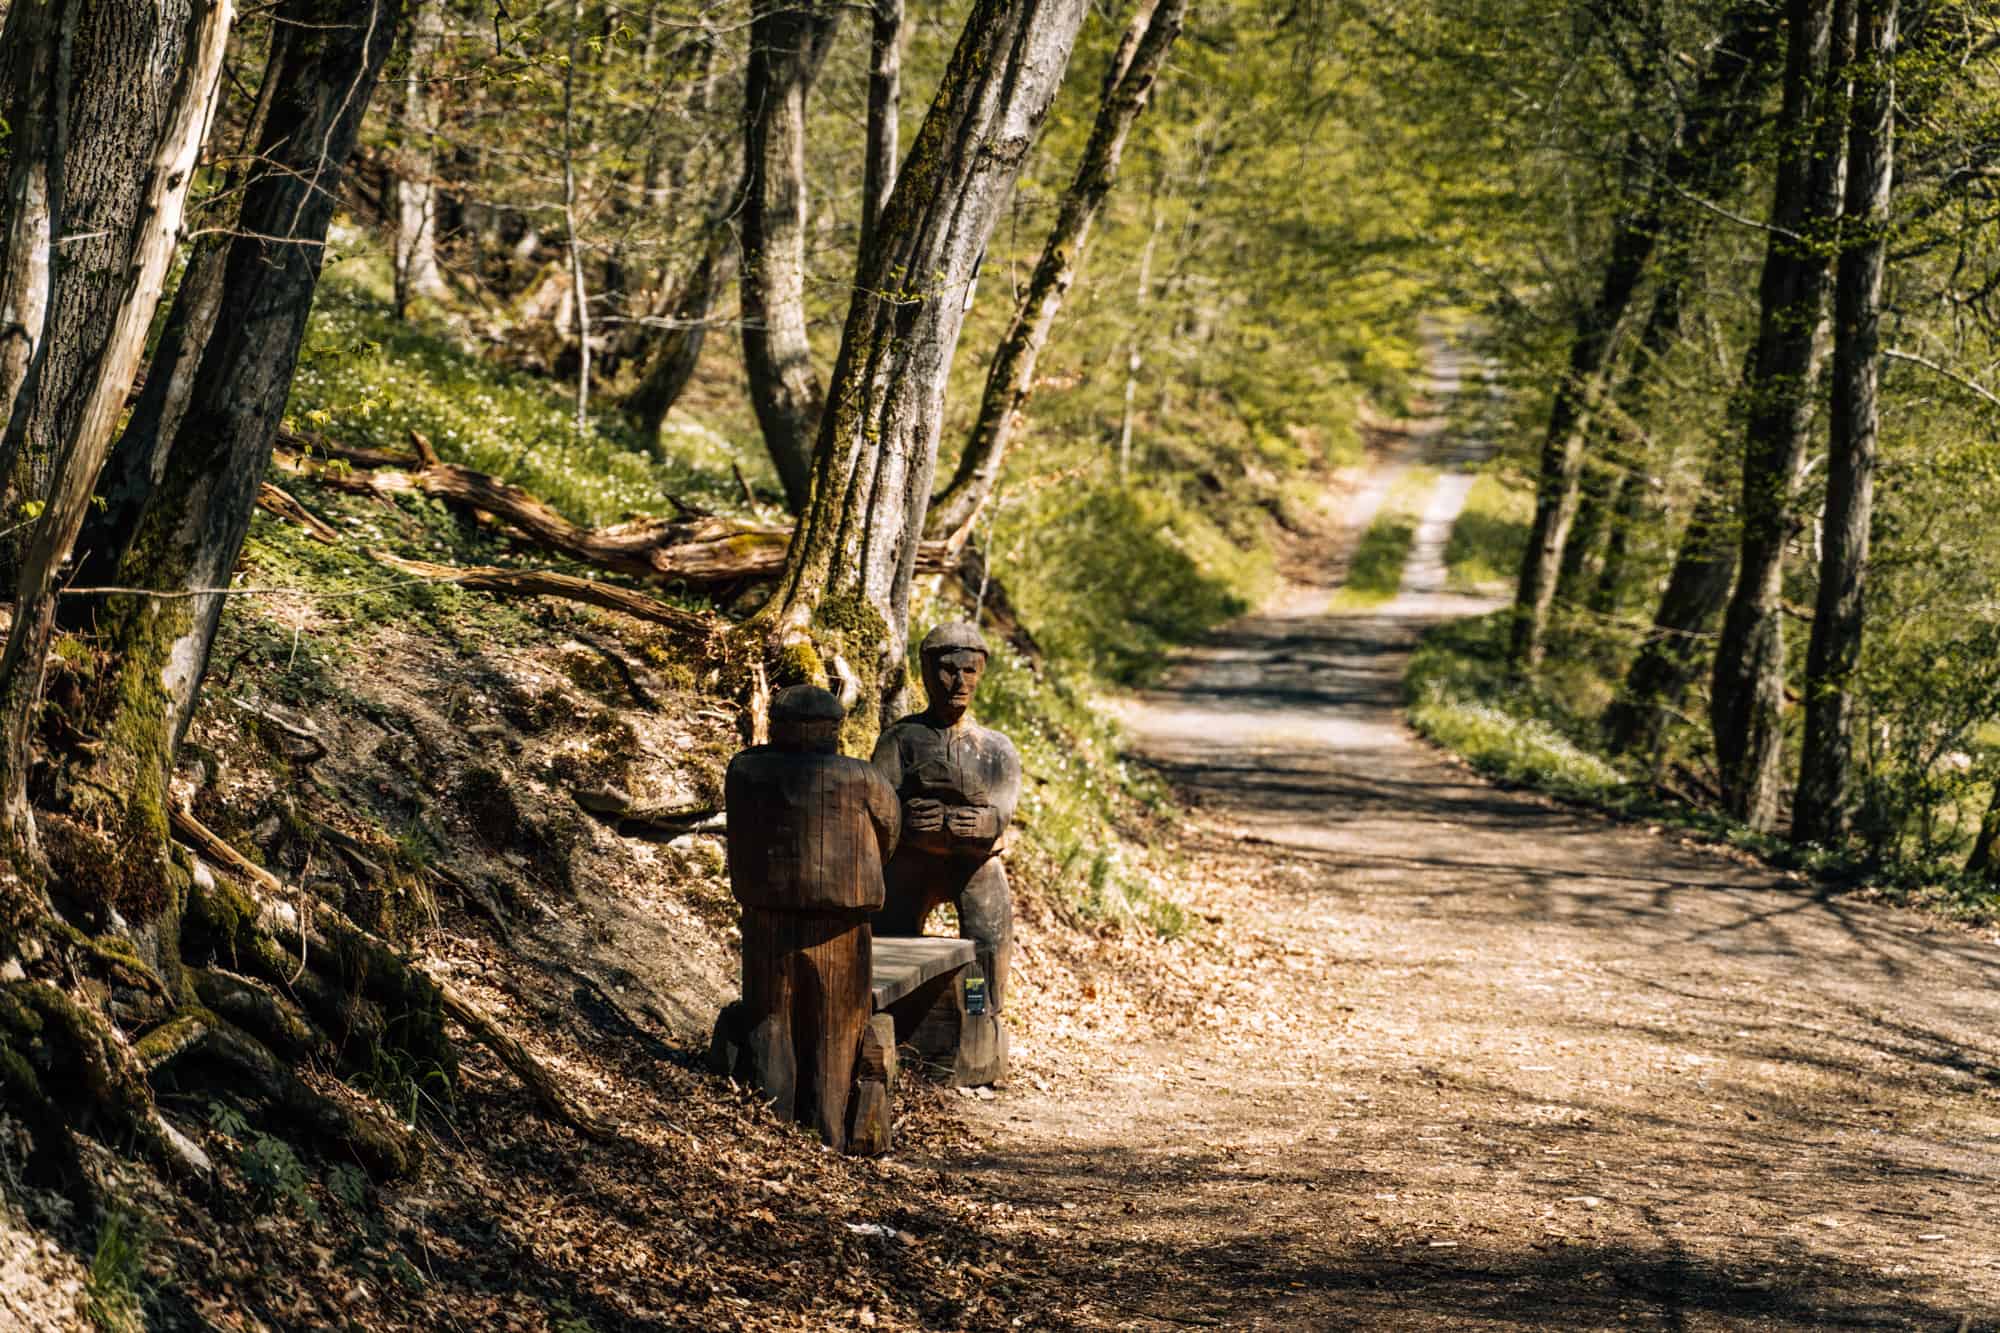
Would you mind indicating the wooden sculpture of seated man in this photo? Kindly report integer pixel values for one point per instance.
(959, 783)
(809, 831)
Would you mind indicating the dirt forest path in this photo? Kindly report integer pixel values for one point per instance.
(1484, 1061)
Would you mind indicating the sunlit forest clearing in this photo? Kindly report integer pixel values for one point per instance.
(1476, 521)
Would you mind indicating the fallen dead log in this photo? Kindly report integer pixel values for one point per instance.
(285, 505)
(548, 583)
(699, 548)
(266, 892)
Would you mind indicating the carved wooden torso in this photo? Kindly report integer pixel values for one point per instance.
(808, 832)
(962, 766)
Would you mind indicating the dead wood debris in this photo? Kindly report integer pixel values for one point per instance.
(700, 549)
(549, 583)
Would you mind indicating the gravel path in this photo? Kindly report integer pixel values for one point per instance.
(1484, 1061)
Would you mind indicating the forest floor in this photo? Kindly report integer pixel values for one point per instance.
(1463, 1057)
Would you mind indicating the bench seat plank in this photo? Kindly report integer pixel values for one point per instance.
(902, 963)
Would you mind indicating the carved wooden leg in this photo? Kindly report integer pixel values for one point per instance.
(912, 886)
(768, 999)
(986, 917)
(835, 954)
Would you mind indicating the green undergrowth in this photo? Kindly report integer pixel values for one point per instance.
(1491, 532)
(1461, 694)
(366, 378)
(1112, 579)
(1375, 571)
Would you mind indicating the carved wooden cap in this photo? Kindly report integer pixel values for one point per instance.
(806, 703)
(954, 636)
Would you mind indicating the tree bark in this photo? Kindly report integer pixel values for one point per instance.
(191, 529)
(788, 44)
(1671, 656)
(101, 92)
(1561, 459)
(1823, 805)
(848, 572)
(1010, 380)
(1706, 149)
(1747, 693)
(885, 103)
(415, 181)
(33, 58)
(177, 55)
(579, 293)
(677, 351)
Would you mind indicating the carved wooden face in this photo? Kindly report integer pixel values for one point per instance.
(951, 678)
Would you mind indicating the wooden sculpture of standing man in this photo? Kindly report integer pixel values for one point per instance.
(809, 830)
(959, 783)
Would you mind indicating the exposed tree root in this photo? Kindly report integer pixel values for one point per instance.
(384, 1148)
(650, 823)
(370, 965)
(64, 1059)
(532, 1073)
(260, 1009)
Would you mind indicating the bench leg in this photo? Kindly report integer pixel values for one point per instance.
(870, 1116)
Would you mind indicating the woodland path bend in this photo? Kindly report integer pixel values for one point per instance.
(1504, 1064)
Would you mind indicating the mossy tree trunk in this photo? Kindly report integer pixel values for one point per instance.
(1675, 646)
(1823, 807)
(788, 44)
(144, 164)
(1010, 380)
(1747, 692)
(1714, 148)
(325, 60)
(204, 975)
(847, 576)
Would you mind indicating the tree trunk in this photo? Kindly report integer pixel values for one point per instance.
(176, 54)
(1569, 422)
(677, 351)
(1748, 682)
(1671, 656)
(1010, 381)
(1823, 806)
(100, 91)
(191, 529)
(579, 293)
(885, 103)
(848, 573)
(788, 44)
(415, 179)
(1709, 143)
(29, 46)
(1134, 355)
